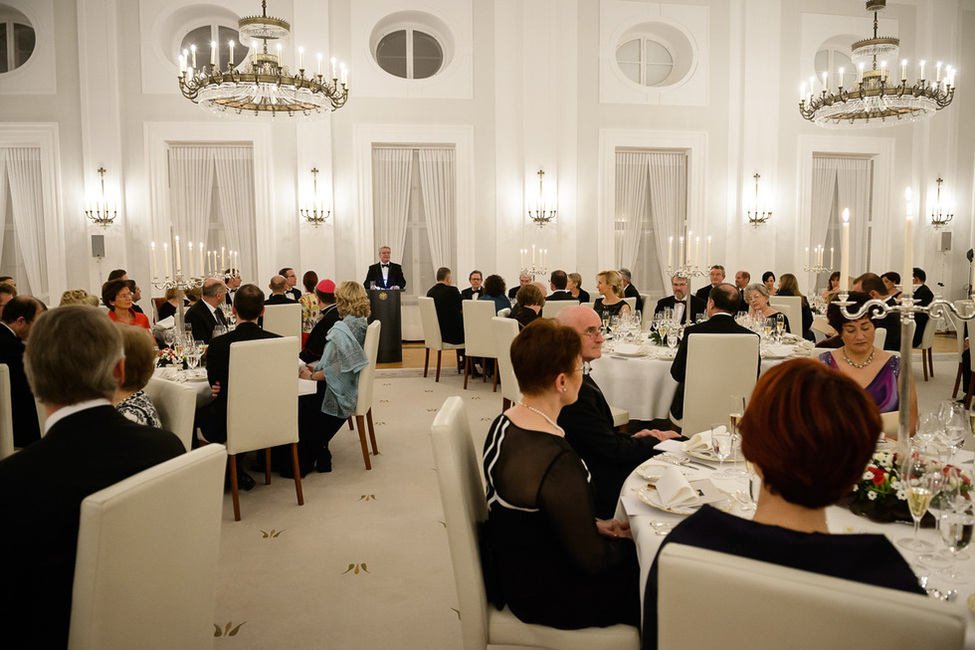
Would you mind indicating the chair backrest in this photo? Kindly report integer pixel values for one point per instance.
(927, 338)
(762, 605)
(368, 374)
(431, 326)
(552, 308)
(6, 417)
(791, 306)
(645, 320)
(504, 330)
(477, 328)
(262, 396)
(147, 558)
(631, 301)
(464, 507)
(879, 338)
(176, 405)
(591, 304)
(284, 320)
(718, 366)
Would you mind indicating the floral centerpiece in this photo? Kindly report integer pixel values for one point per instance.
(166, 357)
(881, 496)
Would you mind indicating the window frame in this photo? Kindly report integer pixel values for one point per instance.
(8, 25)
(643, 39)
(410, 28)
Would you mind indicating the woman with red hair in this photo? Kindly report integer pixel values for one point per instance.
(809, 431)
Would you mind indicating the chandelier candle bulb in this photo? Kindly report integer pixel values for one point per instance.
(860, 74)
(301, 58)
(839, 78)
(904, 70)
(825, 81)
(335, 75)
(230, 63)
(922, 70)
(182, 64)
(319, 64)
(845, 253)
(155, 268)
(345, 75)
(193, 52)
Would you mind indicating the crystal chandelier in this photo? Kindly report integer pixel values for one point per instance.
(876, 101)
(265, 88)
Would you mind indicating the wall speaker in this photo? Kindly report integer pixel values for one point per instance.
(98, 245)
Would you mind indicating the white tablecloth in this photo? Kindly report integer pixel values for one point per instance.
(840, 520)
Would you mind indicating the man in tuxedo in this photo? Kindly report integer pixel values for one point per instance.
(922, 296)
(292, 292)
(315, 344)
(609, 454)
(278, 286)
(685, 308)
(722, 306)
(717, 277)
(558, 283)
(742, 278)
(16, 322)
(629, 291)
(385, 274)
(205, 314)
(872, 284)
(7, 293)
(233, 283)
(522, 281)
(450, 312)
(473, 292)
(74, 361)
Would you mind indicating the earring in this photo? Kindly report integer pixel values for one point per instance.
(563, 389)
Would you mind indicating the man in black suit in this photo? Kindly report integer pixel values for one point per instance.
(15, 325)
(722, 306)
(473, 292)
(609, 455)
(872, 284)
(558, 283)
(7, 293)
(522, 281)
(629, 291)
(385, 274)
(292, 292)
(685, 308)
(205, 314)
(922, 296)
(74, 362)
(450, 313)
(315, 344)
(717, 277)
(233, 283)
(742, 278)
(278, 296)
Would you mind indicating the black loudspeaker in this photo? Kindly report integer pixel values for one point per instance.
(944, 242)
(98, 245)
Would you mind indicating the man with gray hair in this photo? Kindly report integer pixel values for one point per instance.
(74, 362)
(205, 314)
(629, 291)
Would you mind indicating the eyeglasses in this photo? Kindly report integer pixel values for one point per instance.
(592, 332)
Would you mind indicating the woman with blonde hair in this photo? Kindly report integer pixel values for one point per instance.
(78, 297)
(609, 284)
(140, 356)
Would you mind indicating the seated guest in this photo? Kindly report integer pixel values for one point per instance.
(7, 293)
(609, 454)
(278, 286)
(78, 297)
(768, 279)
(529, 305)
(475, 291)
(871, 284)
(494, 290)
(923, 296)
(171, 305)
(757, 296)
(310, 311)
(574, 285)
(553, 563)
(629, 291)
(136, 296)
(117, 296)
(716, 275)
(832, 285)
(721, 310)
(876, 371)
(558, 283)
(609, 284)
(320, 416)
(16, 322)
(192, 296)
(117, 274)
(233, 283)
(742, 280)
(74, 362)
(522, 281)
(789, 286)
(140, 356)
(809, 431)
(204, 315)
(891, 279)
(328, 316)
(290, 280)
(684, 307)
(450, 312)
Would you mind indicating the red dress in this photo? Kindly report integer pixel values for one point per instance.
(141, 320)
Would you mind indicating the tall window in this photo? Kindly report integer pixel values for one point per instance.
(410, 54)
(17, 39)
(840, 183)
(23, 254)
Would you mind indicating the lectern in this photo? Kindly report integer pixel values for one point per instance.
(385, 307)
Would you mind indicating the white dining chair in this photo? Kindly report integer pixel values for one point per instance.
(284, 320)
(631, 301)
(147, 558)
(766, 606)
(503, 313)
(464, 506)
(960, 330)
(791, 306)
(6, 415)
(926, 345)
(431, 334)
(552, 308)
(363, 405)
(478, 342)
(718, 366)
(504, 331)
(176, 405)
(262, 372)
(880, 337)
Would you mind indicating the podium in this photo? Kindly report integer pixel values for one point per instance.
(385, 307)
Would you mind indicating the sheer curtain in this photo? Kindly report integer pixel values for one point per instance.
(854, 184)
(3, 195)
(24, 171)
(823, 199)
(631, 204)
(235, 191)
(392, 169)
(437, 184)
(191, 171)
(668, 201)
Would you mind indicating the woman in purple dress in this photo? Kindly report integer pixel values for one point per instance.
(875, 370)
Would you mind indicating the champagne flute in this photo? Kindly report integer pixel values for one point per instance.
(780, 324)
(721, 447)
(957, 523)
(767, 327)
(916, 476)
(736, 408)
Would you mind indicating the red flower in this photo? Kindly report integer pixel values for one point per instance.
(878, 476)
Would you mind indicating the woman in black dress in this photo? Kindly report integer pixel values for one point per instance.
(574, 285)
(609, 284)
(529, 305)
(552, 562)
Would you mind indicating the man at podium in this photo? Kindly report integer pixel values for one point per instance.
(385, 274)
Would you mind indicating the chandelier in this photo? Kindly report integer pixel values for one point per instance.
(265, 88)
(314, 212)
(876, 101)
(542, 214)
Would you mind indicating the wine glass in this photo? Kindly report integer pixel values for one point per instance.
(928, 427)
(721, 447)
(219, 330)
(957, 522)
(169, 335)
(767, 327)
(956, 423)
(672, 338)
(779, 324)
(736, 407)
(192, 356)
(915, 474)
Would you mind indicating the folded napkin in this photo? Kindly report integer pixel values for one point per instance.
(166, 323)
(699, 441)
(675, 490)
(778, 350)
(627, 348)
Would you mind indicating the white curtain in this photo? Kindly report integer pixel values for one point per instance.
(24, 171)
(823, 199)
(235, 191)
(853, 190)
(392, 172)
(668, 201)
(191, 189)
(3, 195)
(437, 185)
(631, 204)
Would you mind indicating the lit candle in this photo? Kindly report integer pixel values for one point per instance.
(319, 64)
(680, 254)
(209, 263)
(176, 250)
(230, 63)
(825, 81)
(937, 75)
(166, 257)
(839, 78)
(202, 268)
(907, 284)
(697, 251)
(845, 253)
(807, 258)
(223, 260)
(860, 74)
(335, 74)
(213, 54)
(533, 254)
(236, 262)
(904, 70)
(189, 259)
(883, 70)
(709, 251)
(182, 64)
(155, 268)
(670, 253)
(193, 52)
(301, 58)
(922, 70)
(345, 75)
(830, 258)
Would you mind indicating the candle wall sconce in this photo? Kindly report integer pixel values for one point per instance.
(314, 211)
(758, 213)
(101, 211)
(542, 213)
(940, 216)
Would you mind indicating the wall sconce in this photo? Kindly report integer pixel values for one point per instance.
(940, 216)
(99, 211)
(759, 212)
(315, 213)
(542, 214)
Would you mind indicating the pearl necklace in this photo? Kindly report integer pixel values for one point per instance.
(859, 365)
(547, 418)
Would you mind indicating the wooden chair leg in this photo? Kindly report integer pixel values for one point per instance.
(931, 361)
(495, 389)
(426, 365)
(267, 466)
(232, 468)
(924, 365)
(362, 440)
(954, 391)
(351, 425)
(439, 354)
(372, 432)
(484, 368)
(297, 471)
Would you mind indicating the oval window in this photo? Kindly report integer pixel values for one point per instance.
(17, 39)
(410, 54)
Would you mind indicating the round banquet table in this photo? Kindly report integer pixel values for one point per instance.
(840, 520)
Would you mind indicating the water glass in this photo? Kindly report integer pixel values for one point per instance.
(721, 444)
(957, 523)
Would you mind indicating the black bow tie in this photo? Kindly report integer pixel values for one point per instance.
(385, 266)
(680, 301)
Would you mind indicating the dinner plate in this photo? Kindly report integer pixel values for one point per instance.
(650, 471)
(627, 353)
(705, 454)
(651, 497)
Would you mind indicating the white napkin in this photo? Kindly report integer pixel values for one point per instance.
(699, 441)
(627, 348)
(167, 323)
(675, 491)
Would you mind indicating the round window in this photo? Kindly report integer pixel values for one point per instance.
(17, 39)
(203, 38)
(645, 61)
(410, 54)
